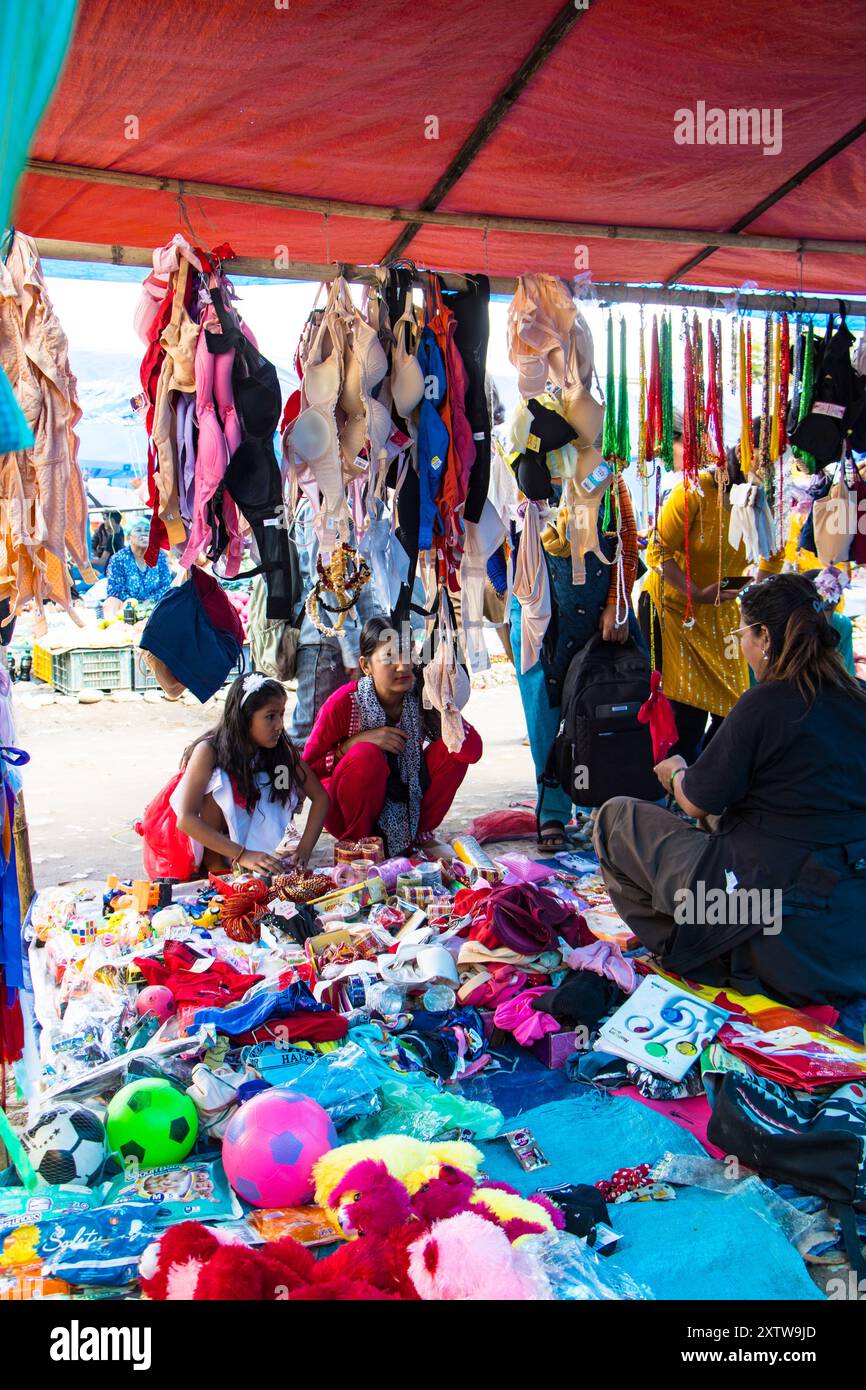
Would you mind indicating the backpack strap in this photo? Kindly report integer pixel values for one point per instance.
(844, 1214)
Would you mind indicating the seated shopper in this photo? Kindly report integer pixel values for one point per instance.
(771, 896)
(379, 754)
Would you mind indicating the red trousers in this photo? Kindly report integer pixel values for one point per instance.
(357, 786)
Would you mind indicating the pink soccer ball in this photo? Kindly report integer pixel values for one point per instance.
(271, 1145)
(155, 999)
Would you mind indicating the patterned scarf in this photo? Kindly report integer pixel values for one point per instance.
(398, 822)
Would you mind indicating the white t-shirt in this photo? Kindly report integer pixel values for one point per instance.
(261, 829)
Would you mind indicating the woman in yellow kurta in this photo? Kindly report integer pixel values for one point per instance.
(703, 670)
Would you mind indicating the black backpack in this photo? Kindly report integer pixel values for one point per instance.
(601, 750)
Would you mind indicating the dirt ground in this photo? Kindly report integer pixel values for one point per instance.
(93, 768)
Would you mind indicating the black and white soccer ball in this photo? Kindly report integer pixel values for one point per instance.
(67, 1145)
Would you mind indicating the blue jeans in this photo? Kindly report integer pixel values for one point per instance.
(319, 671)
(542, 723)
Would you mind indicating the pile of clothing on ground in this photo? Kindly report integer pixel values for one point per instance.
(323, 1083)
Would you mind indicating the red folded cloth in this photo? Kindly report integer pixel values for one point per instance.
(300, 1027)
(183, 971)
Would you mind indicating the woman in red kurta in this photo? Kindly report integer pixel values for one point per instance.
(368, 747)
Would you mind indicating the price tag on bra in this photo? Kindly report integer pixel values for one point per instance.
(599, 475)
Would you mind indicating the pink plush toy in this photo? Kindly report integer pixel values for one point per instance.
(466, 1258)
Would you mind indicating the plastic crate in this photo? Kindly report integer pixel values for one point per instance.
(42, 664)
(144, 679)
(142, 676)
(96, 668)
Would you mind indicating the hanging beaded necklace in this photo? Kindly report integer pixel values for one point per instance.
(667, 392)
(745, 411)
(654, 426)
(342, 579)
(715, 433)
(690, 458)
(782, 414)
(642, 467)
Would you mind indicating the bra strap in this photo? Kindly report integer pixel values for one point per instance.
(181, 276)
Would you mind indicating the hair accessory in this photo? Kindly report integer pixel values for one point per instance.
(253, 682)
(830, 583)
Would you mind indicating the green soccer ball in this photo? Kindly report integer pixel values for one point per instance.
(151, 1123)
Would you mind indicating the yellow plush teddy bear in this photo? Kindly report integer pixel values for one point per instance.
(410, 1161)
(378, 1184)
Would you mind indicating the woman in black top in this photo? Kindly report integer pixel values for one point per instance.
(769, 894)
(107, 540)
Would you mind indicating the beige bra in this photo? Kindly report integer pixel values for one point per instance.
(407, 378)
(179, 337)
(366, 365)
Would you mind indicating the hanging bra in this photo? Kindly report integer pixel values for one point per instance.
(180, 337)
(582, 504)
(446, 681)
(541, 318)
(407, 378)
(322, 378)
(582, 411)
(367, 420)
(312, 439)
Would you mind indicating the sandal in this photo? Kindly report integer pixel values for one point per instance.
(552, 834)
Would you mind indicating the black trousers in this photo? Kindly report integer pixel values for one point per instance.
(694, 735)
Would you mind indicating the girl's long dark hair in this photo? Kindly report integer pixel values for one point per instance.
(236, 755)
(803, 643)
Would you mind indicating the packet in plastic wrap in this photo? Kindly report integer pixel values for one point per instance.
(18, 1207)
(307, 1225)
(100, 1246)
(194, 1191)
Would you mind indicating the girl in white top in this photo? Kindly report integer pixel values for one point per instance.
(244, 781)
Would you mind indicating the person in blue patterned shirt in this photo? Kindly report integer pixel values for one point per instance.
(129, 577)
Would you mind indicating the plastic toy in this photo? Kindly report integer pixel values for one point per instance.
(156, 999)
(66, 1145)
(143, 893)
(271, 1145)
(167, 919)
(152, 1123)
(381, 1183)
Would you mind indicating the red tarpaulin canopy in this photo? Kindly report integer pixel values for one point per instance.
(538, 111)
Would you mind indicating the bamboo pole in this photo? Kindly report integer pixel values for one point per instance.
(605, 292)
(527, 226)
(23, 856)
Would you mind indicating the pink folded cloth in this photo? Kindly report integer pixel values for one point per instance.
(518, 1017)
(604, 958)
(495, 987)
